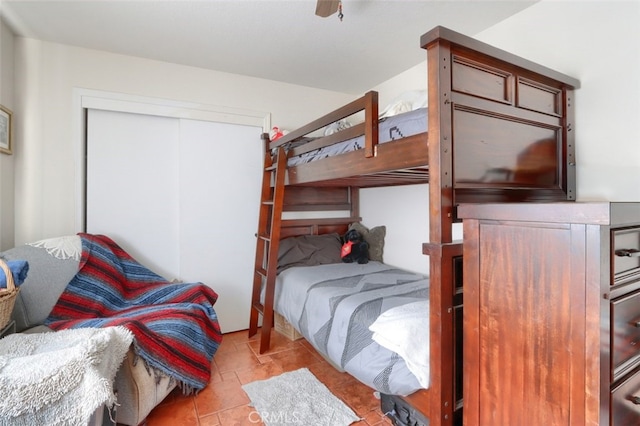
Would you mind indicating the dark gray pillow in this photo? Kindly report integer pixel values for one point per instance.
(309, 250)
(375, 238)
(46, 280)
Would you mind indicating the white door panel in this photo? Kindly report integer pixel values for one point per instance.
(132, 185)
(220, 175)
(182, 196)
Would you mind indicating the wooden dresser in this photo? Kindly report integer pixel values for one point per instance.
(552, 314)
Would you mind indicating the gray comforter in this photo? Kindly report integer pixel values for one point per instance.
(332, 306)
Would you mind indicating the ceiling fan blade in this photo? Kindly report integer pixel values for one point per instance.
(326, 8)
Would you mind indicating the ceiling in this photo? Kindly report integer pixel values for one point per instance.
(272, 39)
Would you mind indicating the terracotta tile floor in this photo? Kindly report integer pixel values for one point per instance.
(237, 362)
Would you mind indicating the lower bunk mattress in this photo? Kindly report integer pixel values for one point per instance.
(333, 307)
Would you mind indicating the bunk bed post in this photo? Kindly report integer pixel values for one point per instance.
(445, 303)
(354, 202)
(441, 252)
(569, 146)
(371, 126)
(439, 139)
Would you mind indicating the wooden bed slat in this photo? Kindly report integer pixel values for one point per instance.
(297, 227)
(398, 155)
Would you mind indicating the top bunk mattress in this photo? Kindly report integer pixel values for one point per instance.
(390, 129)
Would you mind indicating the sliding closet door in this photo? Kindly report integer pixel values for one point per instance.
(133, 185)
(182, 196)
(220, 176)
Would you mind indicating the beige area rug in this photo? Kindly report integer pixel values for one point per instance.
(297, 398)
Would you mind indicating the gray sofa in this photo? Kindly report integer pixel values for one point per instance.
(139, 389)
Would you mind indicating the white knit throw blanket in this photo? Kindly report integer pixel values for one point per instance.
(59, 378)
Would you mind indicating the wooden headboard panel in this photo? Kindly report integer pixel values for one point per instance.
(310, 198)
(297, 227)
(504, 126)
(320, 200)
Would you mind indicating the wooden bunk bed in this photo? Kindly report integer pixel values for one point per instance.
(500, 129)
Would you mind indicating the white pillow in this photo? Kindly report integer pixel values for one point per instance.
(336, 127)
(405, 330)
(407, 101)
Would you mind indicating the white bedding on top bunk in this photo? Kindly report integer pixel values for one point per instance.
(334, 305)
(390, 129)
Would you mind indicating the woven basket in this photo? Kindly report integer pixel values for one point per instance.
(7, 296)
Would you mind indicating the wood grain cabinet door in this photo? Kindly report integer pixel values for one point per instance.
(549, 340)
(528, 325)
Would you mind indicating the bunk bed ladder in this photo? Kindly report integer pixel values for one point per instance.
(267, 243)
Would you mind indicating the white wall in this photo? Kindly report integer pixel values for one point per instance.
(596, 42)
(46, 183)
(403, 210)
(6, 161)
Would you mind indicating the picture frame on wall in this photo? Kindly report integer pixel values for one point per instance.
(6, 130)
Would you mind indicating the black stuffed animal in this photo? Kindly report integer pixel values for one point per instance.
(355, 248)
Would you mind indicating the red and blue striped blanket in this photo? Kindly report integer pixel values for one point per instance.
(174, 325)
